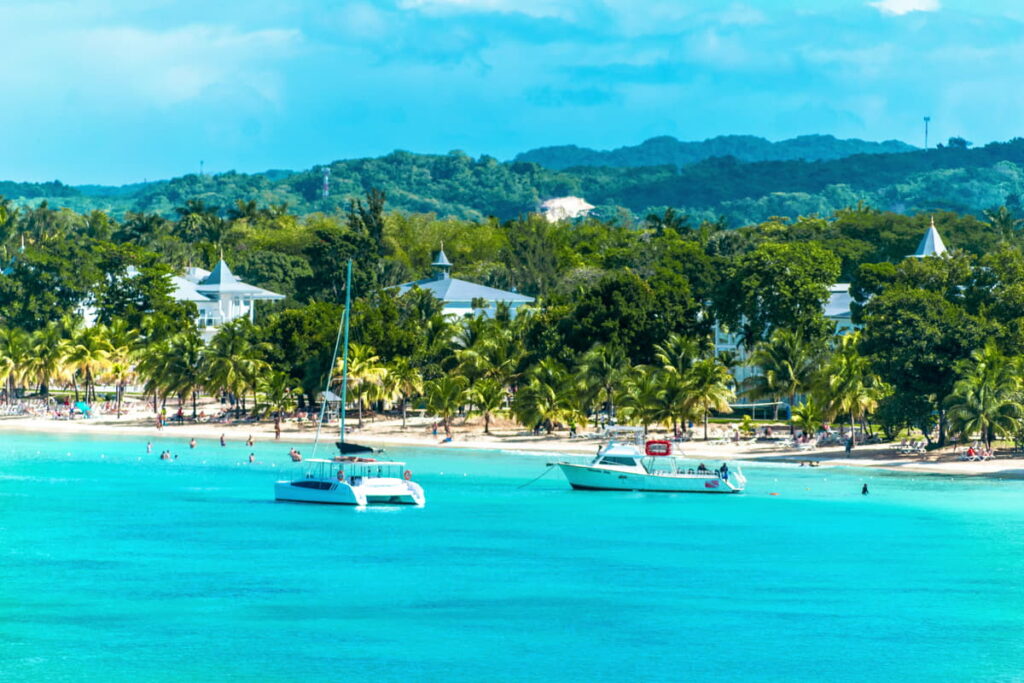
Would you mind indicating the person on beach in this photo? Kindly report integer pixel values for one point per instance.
(864, 490)
(192, 443)
(222, 441)
(249, 442)
(277, 431)
(849, 445)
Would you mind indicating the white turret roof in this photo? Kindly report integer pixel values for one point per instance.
(931, 244)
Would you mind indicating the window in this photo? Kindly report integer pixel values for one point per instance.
(313, 484)
(629, 462)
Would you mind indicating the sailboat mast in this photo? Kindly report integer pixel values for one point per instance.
(344, 361)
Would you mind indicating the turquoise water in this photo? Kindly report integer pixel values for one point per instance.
(115, 566)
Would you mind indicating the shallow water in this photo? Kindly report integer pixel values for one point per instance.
(117, 566)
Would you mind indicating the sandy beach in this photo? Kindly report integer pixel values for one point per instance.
(419, 432)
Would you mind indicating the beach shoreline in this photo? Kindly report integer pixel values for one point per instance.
(419, 433)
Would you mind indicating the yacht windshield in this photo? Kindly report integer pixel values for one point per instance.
(617, 460)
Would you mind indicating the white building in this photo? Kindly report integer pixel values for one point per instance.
(562, 208)
(837, 309)
(459, 295)
(220, 296)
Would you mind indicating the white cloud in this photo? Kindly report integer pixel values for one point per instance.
(128, 64)
(560, 9)
(899, 7)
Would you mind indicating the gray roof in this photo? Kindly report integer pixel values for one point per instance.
(441, 260)
(931, 244)
(222, 281)
(452, 289)
(185, 290)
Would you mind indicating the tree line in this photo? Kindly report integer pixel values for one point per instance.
(622, 327)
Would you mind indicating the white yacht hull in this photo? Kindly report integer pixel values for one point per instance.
(371, 490)
(604, 478)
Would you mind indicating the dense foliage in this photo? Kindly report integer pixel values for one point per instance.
(621, 327)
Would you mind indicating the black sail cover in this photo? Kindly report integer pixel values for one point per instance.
(352, 448)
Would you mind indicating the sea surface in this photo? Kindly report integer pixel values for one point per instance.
(116, 566)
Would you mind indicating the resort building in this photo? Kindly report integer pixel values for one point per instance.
(462, 298)
(837, 309)
(563, 208)
(219, 295)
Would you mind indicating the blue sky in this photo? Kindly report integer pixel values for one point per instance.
(117, 91)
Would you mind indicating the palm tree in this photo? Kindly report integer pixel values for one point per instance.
(1003, 222)
(15, 353)
(365, 373)
(49, 351)
(123, 341)
(89, 354)
(677, 353)
(549, 397)
(404, 381)
(644, 397)
(788, 365)
(987, 397)
(707, 386)
(487, 396)
(495, 352)
(232, 361)
(185, 366)
(851, 386)
(280, 394)
(600, 370)
(445, 396)
(809, 414)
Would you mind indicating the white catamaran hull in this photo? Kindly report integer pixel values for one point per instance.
(385, 491)
(599, 478)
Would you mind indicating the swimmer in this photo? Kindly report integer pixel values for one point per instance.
(252, 458)
(864, 490)
(192, 443)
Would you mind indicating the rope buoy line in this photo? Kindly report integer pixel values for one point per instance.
(542, 474)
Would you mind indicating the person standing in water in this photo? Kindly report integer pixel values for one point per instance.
(252, 458)
(149, 446)
(192, 443)
(222, 442)
(864, 490)
(249, 442)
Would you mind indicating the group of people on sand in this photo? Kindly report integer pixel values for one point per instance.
(977, 452)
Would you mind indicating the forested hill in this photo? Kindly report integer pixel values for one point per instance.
(666, 150)
(950, 177)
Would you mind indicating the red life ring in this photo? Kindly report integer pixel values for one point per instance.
(407, 475)
(658, 448)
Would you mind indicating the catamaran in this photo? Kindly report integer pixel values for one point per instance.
(349, 478)
(629, 463)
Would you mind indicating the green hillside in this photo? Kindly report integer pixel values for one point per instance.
(952, 177)
(666, 150)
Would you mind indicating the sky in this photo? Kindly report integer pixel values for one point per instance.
(118, 91)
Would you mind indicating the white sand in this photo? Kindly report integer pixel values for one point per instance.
(506, 437)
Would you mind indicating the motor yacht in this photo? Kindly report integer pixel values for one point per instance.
(629, 463)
